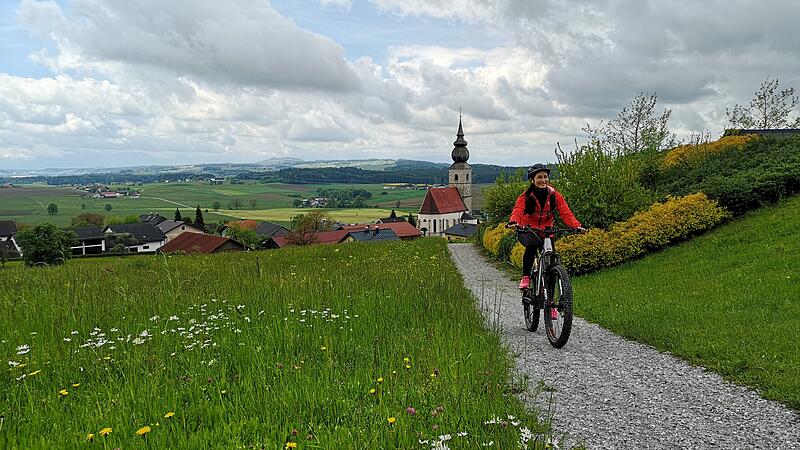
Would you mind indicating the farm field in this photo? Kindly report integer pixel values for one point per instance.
(27, 204)
(284, 215)
(728, 300)
(349, 346)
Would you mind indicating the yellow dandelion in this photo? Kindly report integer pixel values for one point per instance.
(223, 392)
(380, 379)
(291, 445)
(142, 431)
(391, 420)
(106, 358)
(34, 373)
(90, 437)
(406, 360)
(105, 431)
(169, 415)
(372, 391)
(323, 348)
(75, 384)
(63, 392)
(21, 366)
(408, 366)
(394, 372)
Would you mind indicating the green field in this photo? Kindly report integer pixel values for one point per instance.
(728, 300)
(27, 204)
(349, 346)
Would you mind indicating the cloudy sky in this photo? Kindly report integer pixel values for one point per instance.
(87, 83)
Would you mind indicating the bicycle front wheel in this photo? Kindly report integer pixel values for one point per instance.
(558, 307)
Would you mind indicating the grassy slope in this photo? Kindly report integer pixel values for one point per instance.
(316, 328)
(728, 300)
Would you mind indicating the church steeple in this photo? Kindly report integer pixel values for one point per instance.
(460, 173)
(460, 152)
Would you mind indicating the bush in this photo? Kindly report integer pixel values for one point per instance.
(498, 200)
(692, 154)
(658, 226)
(493, 237)
(760, 172)
(602, 188)
(45, 245)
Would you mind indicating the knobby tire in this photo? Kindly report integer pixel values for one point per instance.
(558, 331)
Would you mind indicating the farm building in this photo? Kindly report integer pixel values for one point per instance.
(91, 240)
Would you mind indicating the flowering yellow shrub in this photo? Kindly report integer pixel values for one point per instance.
(516, 254)
(646, 231)
(493, 236)
(689, 153)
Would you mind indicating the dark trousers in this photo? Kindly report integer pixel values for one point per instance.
(533, 249)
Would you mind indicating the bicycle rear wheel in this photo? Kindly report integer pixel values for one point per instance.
(558, 307)
(531, 313)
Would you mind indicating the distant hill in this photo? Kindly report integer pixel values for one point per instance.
(285, 170)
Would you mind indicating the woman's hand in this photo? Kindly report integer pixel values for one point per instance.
(512, 225)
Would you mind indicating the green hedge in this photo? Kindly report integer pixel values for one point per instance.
(759, 172)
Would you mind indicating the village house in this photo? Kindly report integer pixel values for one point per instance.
(8, 229)
(191, 242)
(91, 241)
(403, 230)
(144, 237)
(371, 234)
(152, 218)
(444, 207)
(173, 228)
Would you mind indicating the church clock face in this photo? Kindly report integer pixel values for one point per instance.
(467, 190)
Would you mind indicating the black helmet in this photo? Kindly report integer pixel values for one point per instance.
(537, 168)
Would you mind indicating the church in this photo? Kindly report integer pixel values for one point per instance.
(445, 211)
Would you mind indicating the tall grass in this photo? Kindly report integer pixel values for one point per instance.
(351, 346)
(728, 300)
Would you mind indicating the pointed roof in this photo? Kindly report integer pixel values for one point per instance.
(460, 152)
(442, 201)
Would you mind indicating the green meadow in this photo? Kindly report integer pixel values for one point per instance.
(349, 346)
(27, 204)
(728, 300)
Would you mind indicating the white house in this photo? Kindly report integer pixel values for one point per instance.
(144, 237)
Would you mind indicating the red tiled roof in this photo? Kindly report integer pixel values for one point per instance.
(401, 229)
(322, 237)
(246, 224)
(195, 243)
(442, 201)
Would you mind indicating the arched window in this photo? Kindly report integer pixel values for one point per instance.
(467, 177)
(456, 175)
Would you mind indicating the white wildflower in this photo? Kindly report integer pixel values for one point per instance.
(138, 341)
(67, 340)
(74, 333)
(13, 363)
(445, 437)
(22, 349)
(239, 307)
(173, 318)
(247, 319)
(463, 434)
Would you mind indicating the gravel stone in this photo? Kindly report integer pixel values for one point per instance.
(604, 391)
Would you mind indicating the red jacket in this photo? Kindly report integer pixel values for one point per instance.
(543, 217)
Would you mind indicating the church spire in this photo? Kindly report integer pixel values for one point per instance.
(460, 151)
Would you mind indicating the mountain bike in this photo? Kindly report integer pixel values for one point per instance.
(551, 289)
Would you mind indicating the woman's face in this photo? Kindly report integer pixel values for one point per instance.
(541, 179)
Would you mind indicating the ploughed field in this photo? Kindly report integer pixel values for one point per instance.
(349, 346)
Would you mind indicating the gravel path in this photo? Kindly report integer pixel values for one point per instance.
(614, 393)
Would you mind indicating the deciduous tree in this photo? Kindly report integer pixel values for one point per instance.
(87, 220)
(52, 209)
(45, 244)
(769, 109)
(636, 128)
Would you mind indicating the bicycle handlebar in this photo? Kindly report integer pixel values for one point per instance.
(528, 229)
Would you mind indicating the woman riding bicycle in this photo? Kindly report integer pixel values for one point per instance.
(535, 208)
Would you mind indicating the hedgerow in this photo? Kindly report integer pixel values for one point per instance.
(654, 228)
(661, 224)
(691, 154)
